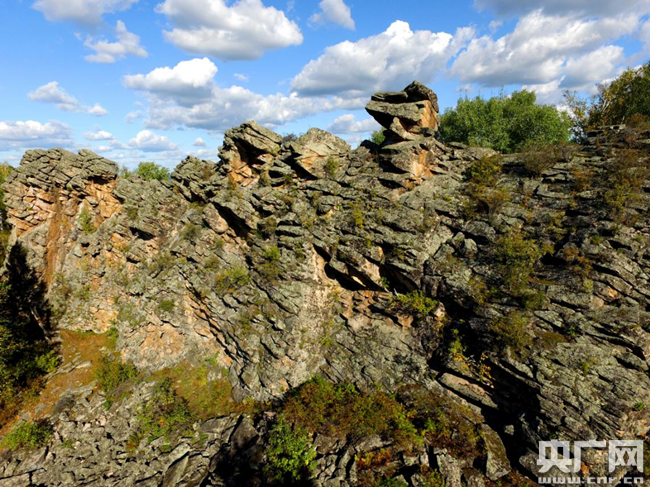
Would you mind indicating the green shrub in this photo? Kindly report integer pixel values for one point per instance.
(332, 166)
(269, 268)
(165, 414)
(485, 171)
(28, 435)
(504, 123)
(341, 410)
(86, 221)
(414, 303)
(625, 179)
(510, 331)
(111, 373)
(484, 194)
(166, 305)
(290, 454)
(231, 279)
(151, 170)
(443, 422)
(190, 232)
(378, 137)
(517, 257)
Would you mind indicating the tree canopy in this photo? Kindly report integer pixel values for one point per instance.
(504, 123)
(626, 100)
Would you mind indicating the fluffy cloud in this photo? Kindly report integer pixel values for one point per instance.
(347, 124)
(148, 141)
(187, 83)
(243, 30)
(31, 134)
(98, 134)
(53, 93)
(85, 12)
(132, 116)
(537, 49)
(199, 142)
(108, 52)
(390, 60)
(562, 7)
(187, 95)
(584, 72)
(335, 11)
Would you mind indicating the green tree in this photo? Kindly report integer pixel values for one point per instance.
(5, 230)
(504, 123)
(378, 137)
(626, 96)
(151, 170)
(25, 353)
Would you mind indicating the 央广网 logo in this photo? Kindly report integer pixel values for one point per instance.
(556, 453)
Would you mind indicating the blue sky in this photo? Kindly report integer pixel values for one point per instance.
(159, 79)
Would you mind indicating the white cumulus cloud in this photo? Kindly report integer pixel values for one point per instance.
(199, 142)
(348, 124)
(187, 83)
(98, 134)
(334, 11)
(584, 72)
(389, 60)
(32, 134)
(53, 93)
(84, 12)
(243, 30)
(127, 44)
(187, 96)
(536, 51)
(148, 141)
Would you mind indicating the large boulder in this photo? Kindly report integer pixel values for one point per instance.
(407, 113)
(246, 149)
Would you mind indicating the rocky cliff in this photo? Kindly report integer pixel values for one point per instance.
(516, 287)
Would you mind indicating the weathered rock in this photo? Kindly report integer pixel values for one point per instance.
(246, 149)
(413, 111)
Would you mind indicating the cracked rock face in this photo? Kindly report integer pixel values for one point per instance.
(287, 265)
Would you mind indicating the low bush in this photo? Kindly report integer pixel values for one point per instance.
(28, 434)
(164, 415)
(232, 279)
(517, 258)
(331, 166)
(443, 422)
(111, 373)
(290, 454)
(341, 410)
(414, 303)
(86, 221)
(625, 179)
(510, 332)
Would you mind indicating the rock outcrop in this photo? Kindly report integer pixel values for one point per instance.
(290, 262)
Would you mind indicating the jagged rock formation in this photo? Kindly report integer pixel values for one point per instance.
(286, 261)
